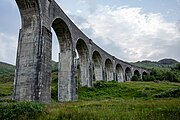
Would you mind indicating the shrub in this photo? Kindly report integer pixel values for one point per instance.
(20, 110)
(134, 78)
(170, 76)
(100, 84)
(169, 93)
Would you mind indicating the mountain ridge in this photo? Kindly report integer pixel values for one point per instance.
(163, 63)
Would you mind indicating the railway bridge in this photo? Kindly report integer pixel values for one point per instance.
(34, 55)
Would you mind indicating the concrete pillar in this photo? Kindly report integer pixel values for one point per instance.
(33, 66)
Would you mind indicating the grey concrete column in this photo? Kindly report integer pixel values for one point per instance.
(33, 66)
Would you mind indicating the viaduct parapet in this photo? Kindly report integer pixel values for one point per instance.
(33, 65)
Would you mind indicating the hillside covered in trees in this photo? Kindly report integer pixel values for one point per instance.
(165, 69)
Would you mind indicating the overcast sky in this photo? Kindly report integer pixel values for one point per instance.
(131, 30)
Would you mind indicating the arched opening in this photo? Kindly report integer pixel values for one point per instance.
(119, 73)
(82, 51)
(108, 70)
(54, 66)
(128, 74)
(144, 76)
(97, 66)
(137, 74)
(65, 59)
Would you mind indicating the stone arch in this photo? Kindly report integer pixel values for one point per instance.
(83, 53)
(128, 74)
(108, 70)
(137, 73)
(65, 58)
(97, 66)
(119, 73)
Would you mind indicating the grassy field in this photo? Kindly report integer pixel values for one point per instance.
(115, 109)
(109, 101)
(120, 101)
(6, 89)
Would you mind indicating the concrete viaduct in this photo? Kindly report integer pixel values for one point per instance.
(34, 55)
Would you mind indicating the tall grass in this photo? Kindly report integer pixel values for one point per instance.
(20, 110)
(104, 101)
(115, 110)
(128, 90)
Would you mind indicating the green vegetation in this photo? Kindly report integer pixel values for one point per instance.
(54, 88)
(109, 100)
(172, 75)
(6, 89)
(128, 90)
(54, 66)
(135, 100)
(116, 101)
(20, 110)
(166, 69)
(164, 63)
(6, 69)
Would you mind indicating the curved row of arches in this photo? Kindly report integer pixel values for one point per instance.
(91, 62)
(34, 55)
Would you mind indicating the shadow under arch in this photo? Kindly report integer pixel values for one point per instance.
(119, 73)
(128, 74)
(108, 70)
(144, 76)
(137, 73)
(97, 66)
(65, 60)
(83, 54)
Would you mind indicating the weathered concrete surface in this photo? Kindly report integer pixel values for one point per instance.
(33, 66)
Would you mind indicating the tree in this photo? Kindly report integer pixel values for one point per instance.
(134, 78)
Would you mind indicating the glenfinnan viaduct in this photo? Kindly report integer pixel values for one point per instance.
(33, 67)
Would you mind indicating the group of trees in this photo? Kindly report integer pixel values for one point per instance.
(169, 74)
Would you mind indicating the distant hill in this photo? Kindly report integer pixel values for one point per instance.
(164, 63)
(168, 62)
(6, 68)
(54, 66)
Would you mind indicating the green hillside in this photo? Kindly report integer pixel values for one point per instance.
(164, 63)
(6, 69)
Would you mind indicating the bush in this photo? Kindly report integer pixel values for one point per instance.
(148, 78)
(170, 76)
(169, 93)
(100, 84)
(20, 110)
(134, 78)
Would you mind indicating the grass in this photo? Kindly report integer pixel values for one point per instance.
(104, 101)
(108, 101)
(118, 101)
(127, 90)
(20, 110)
(6, 89)
(167, 109)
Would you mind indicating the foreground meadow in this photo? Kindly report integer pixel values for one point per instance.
(105, 101)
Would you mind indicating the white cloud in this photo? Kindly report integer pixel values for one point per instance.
(140, 35)
(8, 47)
